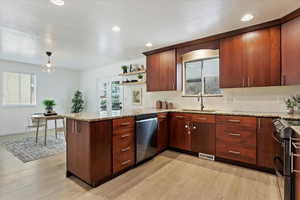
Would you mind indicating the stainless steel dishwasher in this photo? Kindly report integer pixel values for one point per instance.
(146, 132)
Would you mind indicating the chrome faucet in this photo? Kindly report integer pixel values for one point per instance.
(200, 98)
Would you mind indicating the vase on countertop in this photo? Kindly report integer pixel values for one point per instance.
(290, 110)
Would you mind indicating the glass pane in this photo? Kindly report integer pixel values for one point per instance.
(12, 90)
(25, 89)
(193, 83)
(103, 96)
(116, 96)
(211, 76)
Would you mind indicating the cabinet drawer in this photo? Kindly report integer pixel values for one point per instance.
(122, 142)
(236, 152)
(124, 123)
(249, 122)
(204, 118)
(123, 160)
(229, 134)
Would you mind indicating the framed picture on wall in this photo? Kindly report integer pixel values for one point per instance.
(137, 96)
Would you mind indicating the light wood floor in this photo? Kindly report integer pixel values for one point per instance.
(170, 176)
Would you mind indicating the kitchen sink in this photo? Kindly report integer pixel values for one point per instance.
(195, 110)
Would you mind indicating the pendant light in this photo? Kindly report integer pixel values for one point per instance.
(48, 67)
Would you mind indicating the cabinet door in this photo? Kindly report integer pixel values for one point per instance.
(261, 57)
(71, 146)
(161, 71)
(291, 52)
(167, 74)
(162, 134)
(231, 69)
(178, 133)
(203, 138)
(153, 72)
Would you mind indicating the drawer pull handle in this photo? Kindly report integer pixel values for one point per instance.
(234, 134)
(202, 118)
(125, 124)
(126, 162)
(126, 149)
(162, 117)
(234, 121)
(125, 136)
(234, 152)
(179, 117)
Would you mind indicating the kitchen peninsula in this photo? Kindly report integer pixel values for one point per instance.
(102, 146)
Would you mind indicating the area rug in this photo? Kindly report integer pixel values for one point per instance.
(25, 149)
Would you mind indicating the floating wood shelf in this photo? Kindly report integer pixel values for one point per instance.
(132, 73)
(133, 83)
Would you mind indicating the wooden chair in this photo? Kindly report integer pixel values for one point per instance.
(36, 124)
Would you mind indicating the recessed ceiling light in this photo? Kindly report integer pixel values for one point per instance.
(149, 44)
(58, 2)
(116, 29)
(247, 17)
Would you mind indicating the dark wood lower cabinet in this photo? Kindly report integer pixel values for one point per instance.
(163, 132)
(89, 150)
(179, 134)
(203, 137)
(266, 145)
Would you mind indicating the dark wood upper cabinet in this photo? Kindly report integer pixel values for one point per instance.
(291, 52)
(231, 68)
(266, 145)
(251, 59)
(161, 71)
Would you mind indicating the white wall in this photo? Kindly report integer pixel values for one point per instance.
(59, 86)
(265, 99)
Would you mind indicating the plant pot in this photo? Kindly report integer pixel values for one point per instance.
(49, 110)
(124, 71)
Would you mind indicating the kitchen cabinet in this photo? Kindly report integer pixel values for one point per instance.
(161, 71)
(123, 155)
(265, 143)
(291, 52)
(251, 59)
(203, 133)
(179, 131)
(89, 150)
(163, 131)
(236, 138)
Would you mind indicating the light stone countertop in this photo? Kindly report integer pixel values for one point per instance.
(297, 129)
(91, 117)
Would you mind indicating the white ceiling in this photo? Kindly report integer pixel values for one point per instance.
(80, 34)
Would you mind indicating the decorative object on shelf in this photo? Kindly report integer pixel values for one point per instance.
(78, 102)
(130, 68)
(125, 69)
(140, 77)
(137, 96)
(142, 68)
(103, 105)
(49, 104)
(48, 67)
(170, 105)
(290, 104)
(158, 104)
(164, 105)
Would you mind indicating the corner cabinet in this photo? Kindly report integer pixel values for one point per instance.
(161, 71)
(291, 52)
(251, 59)
(89, 150)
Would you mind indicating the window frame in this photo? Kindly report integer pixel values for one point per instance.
(202, 80)
(34, 88)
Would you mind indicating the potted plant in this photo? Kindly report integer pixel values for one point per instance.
(49, 104)
(140, 77)
(297, 102)
(290, 104)
(124, 68)
(78, 102)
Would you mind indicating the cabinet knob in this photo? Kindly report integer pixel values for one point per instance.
(194, 127)
(186, 126)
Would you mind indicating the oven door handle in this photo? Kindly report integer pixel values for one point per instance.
(276, 158)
